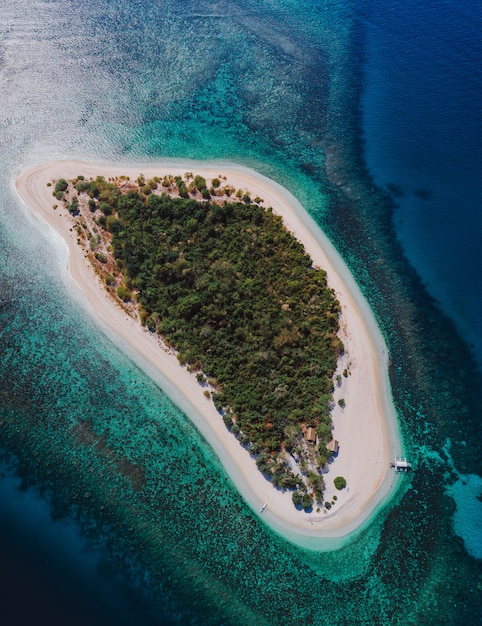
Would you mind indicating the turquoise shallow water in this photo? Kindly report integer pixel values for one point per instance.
(152, 518)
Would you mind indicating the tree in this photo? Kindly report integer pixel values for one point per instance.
(296, 498)
(306, 502)
(340, 482)
(105, 207)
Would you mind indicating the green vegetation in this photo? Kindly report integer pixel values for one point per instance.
(100, 257)
(297, 498)
(306, 502)
(61, 185)
(124, 294)
(74, 206)
(340, 482)
(236, 295)
(59, 189)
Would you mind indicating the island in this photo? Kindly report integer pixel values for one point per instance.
(213, 277)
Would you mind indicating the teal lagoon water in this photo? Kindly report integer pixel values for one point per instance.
(114, 508)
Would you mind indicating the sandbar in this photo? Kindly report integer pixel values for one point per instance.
(366, 428)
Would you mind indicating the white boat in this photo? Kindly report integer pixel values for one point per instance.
(401, 464)
(264, 507)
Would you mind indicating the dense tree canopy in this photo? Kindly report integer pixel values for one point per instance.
(237, 296)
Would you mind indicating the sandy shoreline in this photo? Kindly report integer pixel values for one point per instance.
(366, 428)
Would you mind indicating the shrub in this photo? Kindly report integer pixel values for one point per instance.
(109, 280)
(318, 496)
(200, 183)
(124, 293)
(341, 403)
(83, 187)
(74, 206)
(61, 185)
(327, 505)
(182, 189)
(340, 482)
(100, 257)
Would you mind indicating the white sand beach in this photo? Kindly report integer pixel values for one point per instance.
(366, 428)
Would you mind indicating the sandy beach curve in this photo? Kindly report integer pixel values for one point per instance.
(366, 427)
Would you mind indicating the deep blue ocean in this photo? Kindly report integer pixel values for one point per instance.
(113, 508)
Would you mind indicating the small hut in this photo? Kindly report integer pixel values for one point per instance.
(310, 435)
(333, 446)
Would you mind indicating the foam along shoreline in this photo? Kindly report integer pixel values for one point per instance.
(366, 428)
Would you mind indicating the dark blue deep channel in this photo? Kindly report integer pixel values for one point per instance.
(422, 115)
